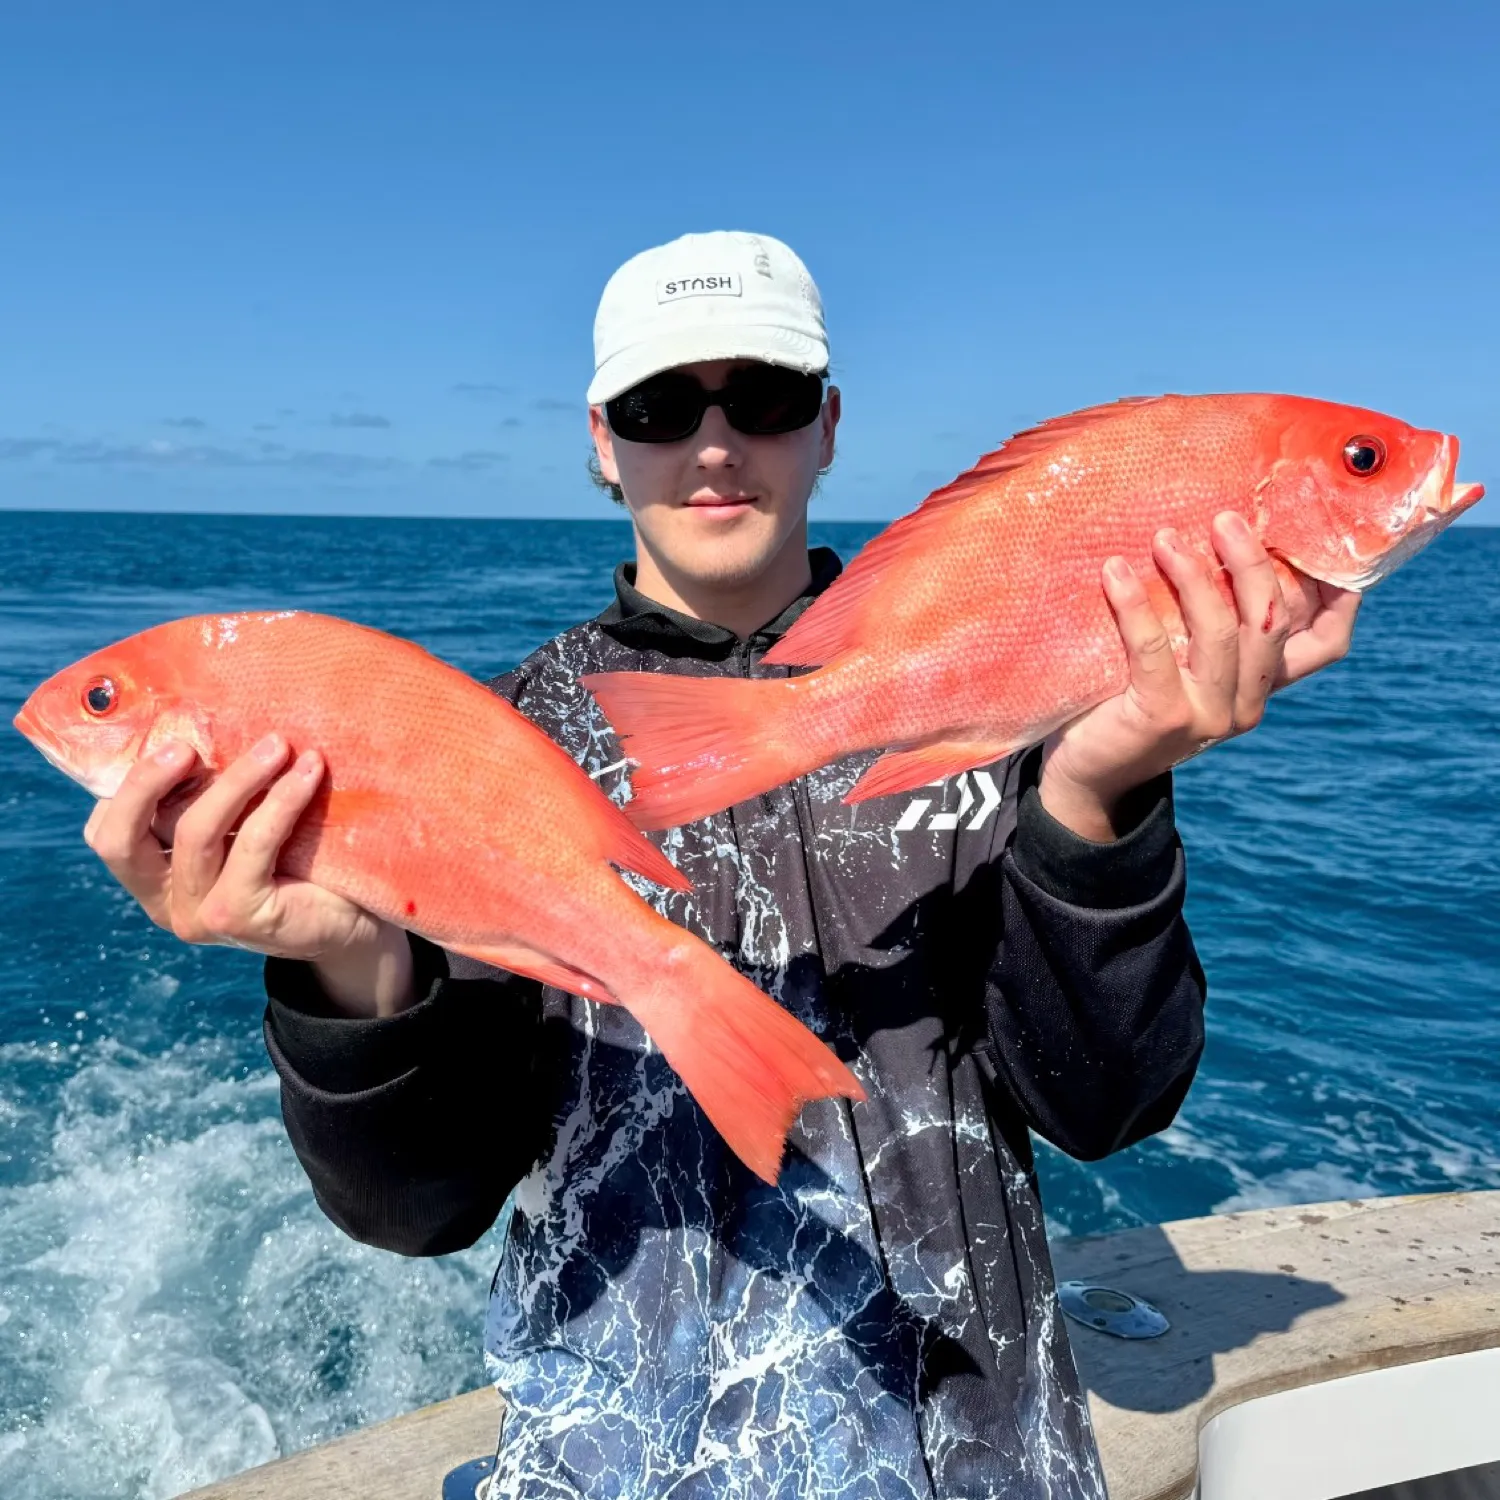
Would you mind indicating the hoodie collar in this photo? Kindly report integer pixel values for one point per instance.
(635, 620)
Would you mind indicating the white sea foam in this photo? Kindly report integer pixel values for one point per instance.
(174, 1307)
(1323, 1183)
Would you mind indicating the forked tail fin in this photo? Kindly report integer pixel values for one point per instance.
(700, 744)
(750, 1064)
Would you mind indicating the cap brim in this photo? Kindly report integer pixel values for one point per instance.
(689, 346)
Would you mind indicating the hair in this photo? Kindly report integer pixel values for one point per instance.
(597, 479)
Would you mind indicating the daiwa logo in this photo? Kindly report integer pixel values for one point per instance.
(977, 803)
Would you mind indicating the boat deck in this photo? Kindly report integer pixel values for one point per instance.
(1259, 1302)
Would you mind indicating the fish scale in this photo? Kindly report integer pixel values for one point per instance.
(978, 623)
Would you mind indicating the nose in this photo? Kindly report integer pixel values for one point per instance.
(718, 443)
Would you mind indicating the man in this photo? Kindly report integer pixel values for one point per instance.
(882, 1322)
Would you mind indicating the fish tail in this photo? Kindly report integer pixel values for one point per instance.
(749, 1063)
(700, 744)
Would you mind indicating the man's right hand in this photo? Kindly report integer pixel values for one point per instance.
(214, 886)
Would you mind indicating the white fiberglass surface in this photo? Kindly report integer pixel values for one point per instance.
(1342, 1436)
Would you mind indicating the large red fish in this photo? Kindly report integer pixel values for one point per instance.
(978, 623)
(447, 812)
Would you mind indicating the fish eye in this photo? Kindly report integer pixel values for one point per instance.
(1364, 455)
(100, 696)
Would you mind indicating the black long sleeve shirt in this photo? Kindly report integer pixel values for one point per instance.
(882, 1322)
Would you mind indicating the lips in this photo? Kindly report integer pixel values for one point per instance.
(720, 502)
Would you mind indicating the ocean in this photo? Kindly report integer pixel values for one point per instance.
(174, 1307)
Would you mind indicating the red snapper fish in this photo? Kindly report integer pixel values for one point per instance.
(978, 624)
(446, 811)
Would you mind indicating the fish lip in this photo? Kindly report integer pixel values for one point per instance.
(1464, 495)
(1442, 494)
(98, 784)
(1440, 497)
(42, 740)
(26, 722)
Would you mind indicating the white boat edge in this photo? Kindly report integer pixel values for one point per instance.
(1264, 1303)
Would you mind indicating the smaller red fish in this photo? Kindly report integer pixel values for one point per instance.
(447, 812)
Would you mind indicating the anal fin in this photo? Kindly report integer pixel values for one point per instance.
(625, 845)
(520, 959)
(905, 770)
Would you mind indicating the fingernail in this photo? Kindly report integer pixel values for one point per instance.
(1235, 524)
(309, 763)
(268, 749)
(170, 753)
(1169, 539)
(1118, 569)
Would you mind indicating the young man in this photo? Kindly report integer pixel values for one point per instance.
(882, 1322)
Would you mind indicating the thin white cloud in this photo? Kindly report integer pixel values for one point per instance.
(476, 461)
(358, 419)
(480, 390)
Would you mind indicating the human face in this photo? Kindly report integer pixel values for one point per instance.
(719, 510)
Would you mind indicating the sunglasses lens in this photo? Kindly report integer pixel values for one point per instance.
(663, 409)
(768, 400)
(759, 401)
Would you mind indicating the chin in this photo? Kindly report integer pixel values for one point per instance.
(728, 566)
(731, 555)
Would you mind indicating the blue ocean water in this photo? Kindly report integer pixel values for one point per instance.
(173, 1306)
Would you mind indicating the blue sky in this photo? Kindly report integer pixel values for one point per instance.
(345, 257)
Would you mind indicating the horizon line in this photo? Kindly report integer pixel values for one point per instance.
(333, 515)
(339, 515)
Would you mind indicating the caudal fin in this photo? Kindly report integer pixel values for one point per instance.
(749, 1063)
(700, 744)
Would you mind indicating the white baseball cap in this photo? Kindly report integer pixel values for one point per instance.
(725, 295)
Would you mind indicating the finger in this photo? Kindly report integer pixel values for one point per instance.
(1326, 639)
(1213, 626)
(1148, 647)
(198, 843)
(119, 821)
(1263, 615)
(250, 869)
(119, 828)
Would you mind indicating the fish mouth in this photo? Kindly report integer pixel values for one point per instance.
(102, 783)
(1440, 494)
(1430, 509)
(1464, 495)
(37, 732)
(26, 722)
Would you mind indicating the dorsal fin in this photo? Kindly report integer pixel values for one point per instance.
(832, 623)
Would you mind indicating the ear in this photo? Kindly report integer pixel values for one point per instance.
(833, 409)
(604, 444)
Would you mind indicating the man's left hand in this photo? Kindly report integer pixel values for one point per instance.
(1238, 655)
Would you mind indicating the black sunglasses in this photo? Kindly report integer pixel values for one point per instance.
(758, 400)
